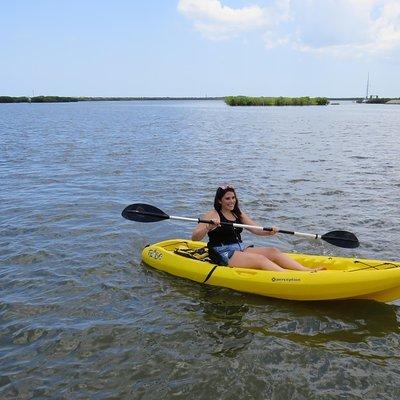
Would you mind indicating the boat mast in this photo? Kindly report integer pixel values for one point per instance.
(366, 94)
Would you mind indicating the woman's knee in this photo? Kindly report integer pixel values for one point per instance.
(270, 252)
(259, 259)
(274, 253)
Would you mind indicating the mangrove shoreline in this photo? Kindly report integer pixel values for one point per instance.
(276, 101)
(61, 99)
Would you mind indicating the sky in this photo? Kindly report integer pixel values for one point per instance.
(185, 48)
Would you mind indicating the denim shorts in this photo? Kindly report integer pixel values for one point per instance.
(226, 251)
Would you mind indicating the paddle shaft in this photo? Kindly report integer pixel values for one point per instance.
(234, 224)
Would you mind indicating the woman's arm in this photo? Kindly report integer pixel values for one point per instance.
(246, 220)
(202, 229)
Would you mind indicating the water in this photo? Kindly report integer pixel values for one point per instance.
(81, 317)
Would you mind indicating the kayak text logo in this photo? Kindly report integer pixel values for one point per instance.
(285, 279)
(155, 254)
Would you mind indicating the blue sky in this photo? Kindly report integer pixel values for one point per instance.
(200, 47)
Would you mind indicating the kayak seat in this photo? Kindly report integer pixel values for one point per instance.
(200, 254)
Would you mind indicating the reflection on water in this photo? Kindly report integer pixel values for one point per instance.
(224, 322)
(232, 319)
(332, 324)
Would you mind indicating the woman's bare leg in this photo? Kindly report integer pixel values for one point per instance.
(279, 258)
(254, 261)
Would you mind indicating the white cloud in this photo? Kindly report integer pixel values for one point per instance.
(218, 22)
(350, 28)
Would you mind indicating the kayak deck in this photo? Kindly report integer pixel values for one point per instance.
(344, 278)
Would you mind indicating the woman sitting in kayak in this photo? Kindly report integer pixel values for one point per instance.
(225, 242)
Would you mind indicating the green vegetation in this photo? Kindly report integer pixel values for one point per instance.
(58, 99)
(53, 99)
(9, 99)
(275, 101)
(37, 99)
(145, 98)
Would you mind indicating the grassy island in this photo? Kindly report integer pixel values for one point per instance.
(275, 101)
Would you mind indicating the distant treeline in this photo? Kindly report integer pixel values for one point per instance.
(230, 100)
(145, 98)
(59, 99)
(275, 101)
(37, 99)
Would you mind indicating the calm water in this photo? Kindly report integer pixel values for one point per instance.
(82, 318)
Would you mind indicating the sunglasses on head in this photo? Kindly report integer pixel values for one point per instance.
(225, 187)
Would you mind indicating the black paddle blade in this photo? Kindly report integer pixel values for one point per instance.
(341, 239)
(144, 213)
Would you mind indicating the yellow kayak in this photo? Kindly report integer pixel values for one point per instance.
(344, 278)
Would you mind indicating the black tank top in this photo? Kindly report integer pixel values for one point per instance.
(225, 234)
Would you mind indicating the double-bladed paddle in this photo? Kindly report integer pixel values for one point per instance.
(146, 213)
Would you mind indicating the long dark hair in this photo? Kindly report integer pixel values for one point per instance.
(220, 193)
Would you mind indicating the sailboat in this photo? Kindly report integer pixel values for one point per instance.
(366, 94)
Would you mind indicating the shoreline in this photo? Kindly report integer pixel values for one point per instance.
(66, 99)
(70, 99)
(246, 101)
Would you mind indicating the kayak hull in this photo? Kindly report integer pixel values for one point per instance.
(344, 278)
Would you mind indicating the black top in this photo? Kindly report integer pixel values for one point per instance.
(225, 234)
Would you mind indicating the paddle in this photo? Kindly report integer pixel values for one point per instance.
(147, 213)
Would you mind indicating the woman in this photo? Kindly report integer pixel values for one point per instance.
(225, 242)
